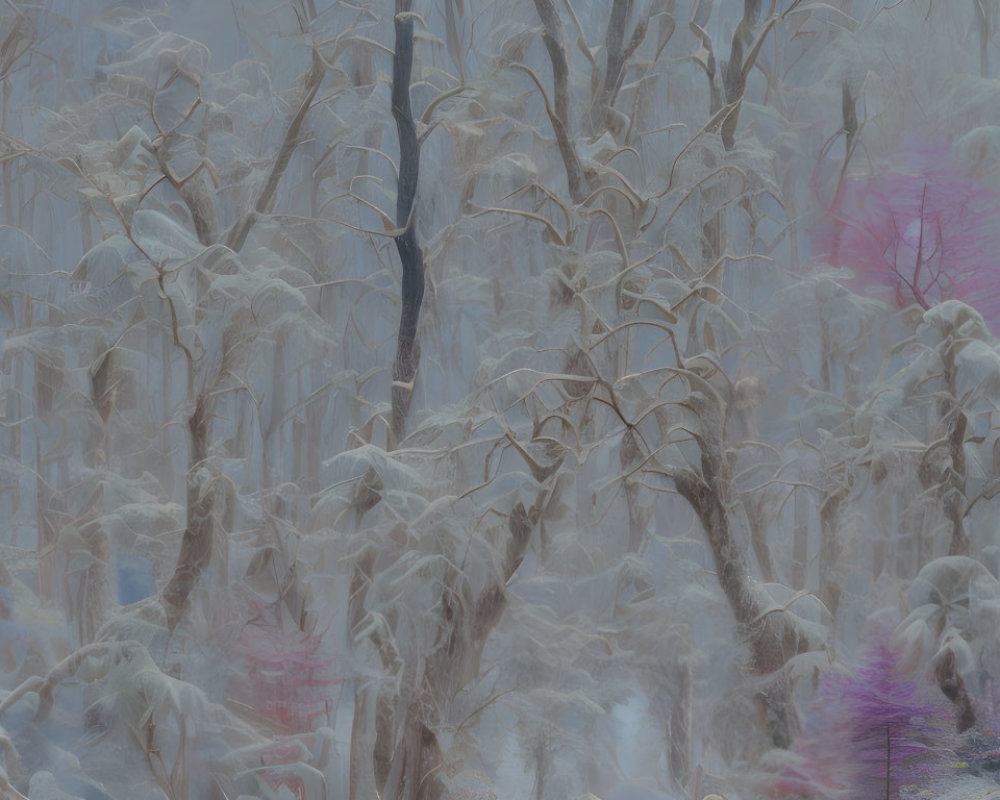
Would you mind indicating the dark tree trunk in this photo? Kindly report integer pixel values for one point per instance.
(404, 368)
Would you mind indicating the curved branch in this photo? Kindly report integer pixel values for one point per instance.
(239, 232)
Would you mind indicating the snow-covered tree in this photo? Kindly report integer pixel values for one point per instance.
(468, 399)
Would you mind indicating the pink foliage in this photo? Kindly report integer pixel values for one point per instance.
(289, 681)
(925, 230)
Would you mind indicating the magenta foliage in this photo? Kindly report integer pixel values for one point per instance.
(927, 230)
(289, 680)
(869, 736)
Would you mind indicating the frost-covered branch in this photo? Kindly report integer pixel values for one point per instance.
(265, 200)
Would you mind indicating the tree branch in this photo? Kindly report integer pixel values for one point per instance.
(239, 232)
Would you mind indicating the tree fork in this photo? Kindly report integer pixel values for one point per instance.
(554, 39)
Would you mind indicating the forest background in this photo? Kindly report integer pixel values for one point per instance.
(469, 399)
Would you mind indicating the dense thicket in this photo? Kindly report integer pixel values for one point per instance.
(474, 399)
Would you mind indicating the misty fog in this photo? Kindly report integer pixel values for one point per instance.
(499, 399)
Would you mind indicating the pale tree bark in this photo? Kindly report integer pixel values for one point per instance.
(943, 466)
(758, 522)
(395, 751)
(265, 200)
(681, 720)
(773, 638)
(619, 48)
(209, 497)
(772, 635)
(725, 102)
(800, 540)
(831, 577)
(985, 11)
(614, 48)
(554, 38)
(618, 51)
(196, 542)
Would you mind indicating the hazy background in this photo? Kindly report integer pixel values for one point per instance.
(703, 388)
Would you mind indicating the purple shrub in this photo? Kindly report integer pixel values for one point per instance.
(869, 736)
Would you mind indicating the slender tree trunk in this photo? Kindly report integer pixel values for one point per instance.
(681, 721)
(984, 12)
(757, 521)
(830, 572)
(614, 64)
(555, 43)
(800, 540)
(196, 543)
(407, 361)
